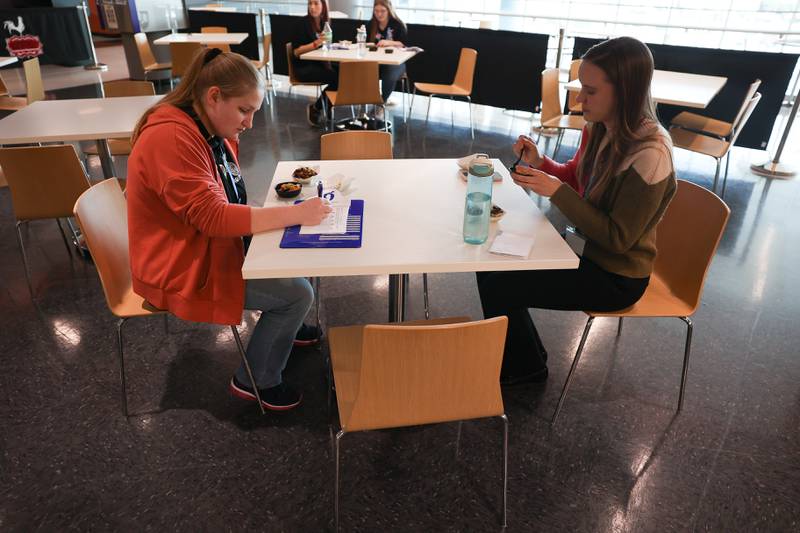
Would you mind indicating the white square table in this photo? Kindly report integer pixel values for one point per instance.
(202, 38)
(84, 119)
(412, 223)
(10, 60)
(397, 57)
(678, 88)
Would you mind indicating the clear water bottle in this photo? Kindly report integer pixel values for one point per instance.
(327, 34)
(478, 203)
(361, 40)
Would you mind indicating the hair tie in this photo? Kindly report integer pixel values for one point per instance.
(210, 55)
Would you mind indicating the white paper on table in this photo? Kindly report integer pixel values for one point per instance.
(335, 222)
(506, 243)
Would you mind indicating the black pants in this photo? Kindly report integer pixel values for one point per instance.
(512, 293)
(318, 72)
(390, 74)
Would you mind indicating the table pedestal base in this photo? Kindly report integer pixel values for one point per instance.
(773, 170)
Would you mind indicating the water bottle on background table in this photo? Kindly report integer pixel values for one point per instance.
(327, 34)
(478, 203)
(361, 39)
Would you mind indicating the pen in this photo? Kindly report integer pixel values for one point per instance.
(319, 188)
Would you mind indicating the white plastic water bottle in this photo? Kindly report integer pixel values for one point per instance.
(327, 34)
(361, 39)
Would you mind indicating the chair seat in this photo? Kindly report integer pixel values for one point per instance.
(693, 121)
(437, 88)
(117, 147)
(13, 103)
(333, 95)
(658, 301)
(577, 108)
(158, 66)
(132, 305)
(566, 122)
(697, 142)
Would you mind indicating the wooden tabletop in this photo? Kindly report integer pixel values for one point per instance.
(398, 56)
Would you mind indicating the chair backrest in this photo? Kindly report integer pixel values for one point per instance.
(182, 55)
(551, 99)
(572, 96)
(3, 89)
(751, 91)
(102, 214)
(426, 374)
(356, 145)
(119, 88)
(687, 238)
(466, 69)
(748, 110)
(45, 181)
(145, 52)
(359, 83)
(266, 43)
(290, 64)
(217, 29)
(33, 80)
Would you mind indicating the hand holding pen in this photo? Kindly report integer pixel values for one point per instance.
(527, 151)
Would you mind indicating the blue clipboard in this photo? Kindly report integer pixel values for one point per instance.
(352, 239)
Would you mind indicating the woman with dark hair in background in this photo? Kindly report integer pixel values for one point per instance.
(614, 192)
(308, 36)
(386, 29)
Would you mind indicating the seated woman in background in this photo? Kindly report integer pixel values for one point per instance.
(189, 223)
(308, 37)
(613, 191)
(386, 29)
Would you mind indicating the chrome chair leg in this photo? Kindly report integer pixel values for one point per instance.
(716, 176)
(452, 105)
(425, 296)
(64, 237)
(619, 327)
(24, 257)
(505, 468)
(385, 119)
(572, 370)
(558, 143)
(83, 251)
(430, 99)
(121, 354)
(247, 367)
(686, 352)
(471, 127)
(411, 105)
(336, 480)
(725, 177)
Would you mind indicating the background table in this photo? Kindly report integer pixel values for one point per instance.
(398, 57)
(5, 61)
(97, 119)
(413, 215)
(202, 38)
(678, 88)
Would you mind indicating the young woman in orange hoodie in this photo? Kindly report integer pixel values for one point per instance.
(189, 222)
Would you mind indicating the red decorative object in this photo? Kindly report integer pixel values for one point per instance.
(24, 45)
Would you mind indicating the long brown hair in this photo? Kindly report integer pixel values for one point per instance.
(373, 23)
(323, 17)
(235, 76)
(628, 65)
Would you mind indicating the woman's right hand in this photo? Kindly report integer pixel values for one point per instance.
(313, 211)
(531, 155)
(318, 42)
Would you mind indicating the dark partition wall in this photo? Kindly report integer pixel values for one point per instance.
(235, 22)
(61, 32)
(741, 68)
(507, 73)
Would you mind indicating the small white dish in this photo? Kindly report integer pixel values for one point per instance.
(306, 181)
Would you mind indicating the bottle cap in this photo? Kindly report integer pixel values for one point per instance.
(481, 166)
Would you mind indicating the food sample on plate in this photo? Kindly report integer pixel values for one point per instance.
(497, 212)
(288, 189)
(304, 173)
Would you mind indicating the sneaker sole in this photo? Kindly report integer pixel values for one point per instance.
(306, 343)
(249, 396)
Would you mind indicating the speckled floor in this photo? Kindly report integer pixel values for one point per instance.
(195, 459)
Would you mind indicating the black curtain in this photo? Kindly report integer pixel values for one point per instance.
(61, 30)
(235, 23)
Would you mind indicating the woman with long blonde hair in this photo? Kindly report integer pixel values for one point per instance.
(189, 224)
(387, 30)
(614, 192)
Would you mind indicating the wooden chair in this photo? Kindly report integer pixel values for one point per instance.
(264, 63)
(356, 145)
(182, 55)
(45, 181)
(425, 372)
(710, 126)
(686, 239)
(461, 86)
(293, 78)
(146, 57)
(551, 112)
(714, 146)
(572, 97)
(102, 214)
(217, 29)
(34, 88)
(359, 84)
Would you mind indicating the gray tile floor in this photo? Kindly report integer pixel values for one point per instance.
(194, 458)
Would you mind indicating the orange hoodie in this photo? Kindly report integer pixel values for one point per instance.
(185, 238)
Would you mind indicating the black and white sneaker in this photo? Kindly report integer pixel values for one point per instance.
(307, 335)
(312, 115)
(281, 397)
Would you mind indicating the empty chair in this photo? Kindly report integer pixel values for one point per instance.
(686, 239)
(356, 145)
(398, 375)
(359, 84)
(572, 96)
(461, 86)
(34, 88)
(551, 112)
(712, 146)
(293, 78)
(711, 126)
(102, 214)
(264, 62)
(217, 29)
(146, 57)
(182, 55)
(45, 181)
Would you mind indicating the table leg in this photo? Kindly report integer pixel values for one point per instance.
(105, 158)
(397, 297)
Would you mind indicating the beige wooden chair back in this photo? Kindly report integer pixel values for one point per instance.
(426, 374)
(182, 55)
(45, 181)
(465, 72)
(572, 96)
(102, 214)
(217, 29)
(551, 99)
(145, 52)
(751, 92)
(3, 88)
(687, 239)
(744, 116)
(290, 64)
(356, 145)
(266, 43)
(33, 80)
(359, 83)
(120, 88)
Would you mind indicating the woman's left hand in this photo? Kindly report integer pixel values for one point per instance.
(383, 43)
(539, 182)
